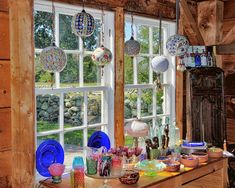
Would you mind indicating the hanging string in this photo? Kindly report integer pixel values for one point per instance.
(132, 21)
(53, 23)
(83, 5)
(177, 15)
(102, 27)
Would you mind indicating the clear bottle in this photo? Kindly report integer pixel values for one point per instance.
(197, 59)
(78, 172)
(210, 62)
(203, 59)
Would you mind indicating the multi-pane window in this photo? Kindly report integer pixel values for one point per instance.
(142, 100)
(78, 103)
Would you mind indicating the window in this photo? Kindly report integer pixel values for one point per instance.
(142, 100)
(79, 101)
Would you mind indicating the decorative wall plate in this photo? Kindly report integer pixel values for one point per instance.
(99, 139)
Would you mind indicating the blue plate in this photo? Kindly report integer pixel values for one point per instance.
(193, 144)
(99, 139)
(49, 152)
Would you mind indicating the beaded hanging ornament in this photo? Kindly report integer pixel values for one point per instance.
(102, 55)
(132, 46)
(83, 24)
(52, 58)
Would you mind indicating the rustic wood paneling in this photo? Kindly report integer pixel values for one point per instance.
(5, 95)
(231, 130)
(22, 92)
(146, 8)
(5, 129)
(5, 182)
(225, 49)
(5, 163)
(210, 19)
(4, 36)
(4, 5)
(229, 9)
(119, 78)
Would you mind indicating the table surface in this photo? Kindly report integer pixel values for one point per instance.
(144, 181)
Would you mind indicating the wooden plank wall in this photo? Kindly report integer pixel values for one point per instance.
(5, 98)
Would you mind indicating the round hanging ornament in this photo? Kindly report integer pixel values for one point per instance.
(53, 59)
(83, 24)
(102, 56)
(132, 46)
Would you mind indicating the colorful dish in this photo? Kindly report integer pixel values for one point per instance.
(99, 139)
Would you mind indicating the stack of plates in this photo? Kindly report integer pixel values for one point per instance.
(192, 147)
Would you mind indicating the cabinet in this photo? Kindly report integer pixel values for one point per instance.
(205, 105)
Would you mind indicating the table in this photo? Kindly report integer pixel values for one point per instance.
(212, 174)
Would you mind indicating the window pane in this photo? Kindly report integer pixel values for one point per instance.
(40, 139)
(73, 146)
(73, 109)
(147, 102)
(129, 140)
(91, 72)
(92, 130)
(143, 38)
(42, 29)
(42, 78)
(47, 112)
(68, 40)
(94, 107)
(92, 42)
(160, 100)
(70, 75)
(131, 103)
(143, 70)
(128, 70)
(127, 31)
(156, 40)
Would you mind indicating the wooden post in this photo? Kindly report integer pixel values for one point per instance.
(22, 92)
(119, 78)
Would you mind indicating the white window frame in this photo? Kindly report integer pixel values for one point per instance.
(107, 81)
(168, 76)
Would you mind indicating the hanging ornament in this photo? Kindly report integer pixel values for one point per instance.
(132, 46)
(181, 66)
(177, 45)
(83, 24)
(102, 55)
(52, 58)
(160, 63)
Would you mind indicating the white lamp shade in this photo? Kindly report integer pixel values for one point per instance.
(137, 129)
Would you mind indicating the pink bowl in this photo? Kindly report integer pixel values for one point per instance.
(56, 169)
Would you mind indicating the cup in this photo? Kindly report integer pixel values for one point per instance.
(91, 165)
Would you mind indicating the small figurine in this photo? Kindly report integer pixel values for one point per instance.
(163, 141)
(166, 130)
(155, 142)
(149, 146)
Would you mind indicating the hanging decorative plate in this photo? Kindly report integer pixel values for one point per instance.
(53, 59)
(99, 139)
(132, 47)
(159, 64)
(102, 56)
(83, 24)
(49, 152)
(177, 45)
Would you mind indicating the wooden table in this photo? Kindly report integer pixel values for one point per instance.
(208, 175)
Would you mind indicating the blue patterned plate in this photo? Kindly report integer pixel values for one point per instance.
(99, 139)
(49, 152)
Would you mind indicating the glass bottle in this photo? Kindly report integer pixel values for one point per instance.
(78, 172)
(209, 60)
(197, 59)
(203, 59)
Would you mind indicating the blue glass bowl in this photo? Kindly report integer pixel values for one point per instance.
(49, 152)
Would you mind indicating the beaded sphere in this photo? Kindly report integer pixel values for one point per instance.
(159, 64)
(132, 47)
(177, 45)
(53, 59)
(83, 24)
(102, 56)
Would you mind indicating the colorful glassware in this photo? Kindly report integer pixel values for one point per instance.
(83, 24)
(102, 56)
(132, 47)
(53, 59)
(56, 170)
(177, 45)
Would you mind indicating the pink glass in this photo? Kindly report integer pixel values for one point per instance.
(56, 169)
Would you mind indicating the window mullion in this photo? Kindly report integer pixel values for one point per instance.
(85, 122)
(57, 42)
(81, 81)
(151, 54)
(61, 118)
(135, 69)
(139, 92)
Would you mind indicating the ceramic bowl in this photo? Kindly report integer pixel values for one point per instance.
(215, 152)
(172, 166)
(202, 157)
(163, 159)
(56, 169)
(130, 177)
(188, 161)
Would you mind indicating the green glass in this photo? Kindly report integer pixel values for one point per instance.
(154, 153)
(91, 165)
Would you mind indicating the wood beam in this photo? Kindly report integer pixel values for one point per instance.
(22, 92)
(210, 19)
(225, 49)
(141, 7)
(119, 78)
(191, 28)
(230, 37)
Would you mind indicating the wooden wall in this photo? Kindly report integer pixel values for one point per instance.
(5, 98)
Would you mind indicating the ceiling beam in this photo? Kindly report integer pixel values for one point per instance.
(229, 37)
(190, 25)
